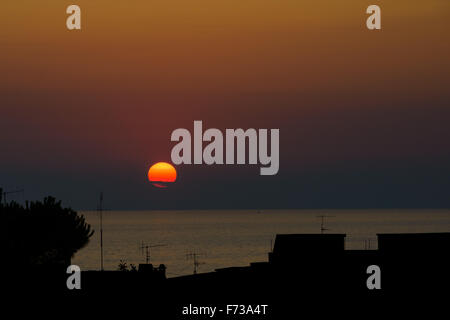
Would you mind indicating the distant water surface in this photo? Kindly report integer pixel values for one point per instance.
(225, 238)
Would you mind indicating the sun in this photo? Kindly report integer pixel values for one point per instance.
(162, 173)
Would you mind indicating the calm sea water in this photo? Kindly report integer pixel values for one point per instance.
(235, 238)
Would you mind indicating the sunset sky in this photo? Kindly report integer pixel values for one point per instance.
(363, 115)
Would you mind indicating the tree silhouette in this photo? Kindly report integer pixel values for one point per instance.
(42, 233)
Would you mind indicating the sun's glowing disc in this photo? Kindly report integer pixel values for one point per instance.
(162, 173)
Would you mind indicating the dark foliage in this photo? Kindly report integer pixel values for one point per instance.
(42, 233)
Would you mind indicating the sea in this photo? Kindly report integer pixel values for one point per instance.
(212, 239)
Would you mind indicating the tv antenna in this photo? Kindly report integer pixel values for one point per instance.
(194, 256)
(3, 194)
(322, 222)
(100, 211)
(367, 244)
(147, 250)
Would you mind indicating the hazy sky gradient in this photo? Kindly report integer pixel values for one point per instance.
(363, 115)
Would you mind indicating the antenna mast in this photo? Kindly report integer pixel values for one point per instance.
(194, 256)
(147, 250)
(322, 222)
(4, 193)
(100, 210)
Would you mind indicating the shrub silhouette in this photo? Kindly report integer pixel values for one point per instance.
(42, 233)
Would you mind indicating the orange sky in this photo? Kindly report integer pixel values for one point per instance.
(159, 46)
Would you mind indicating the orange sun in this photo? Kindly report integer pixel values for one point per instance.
(162, 173)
